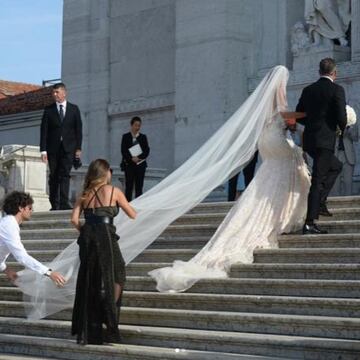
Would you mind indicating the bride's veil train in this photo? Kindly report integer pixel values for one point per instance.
(225, 153)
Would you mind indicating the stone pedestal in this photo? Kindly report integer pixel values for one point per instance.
(23, 170)
(310, 57)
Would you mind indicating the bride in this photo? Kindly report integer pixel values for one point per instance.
(275, 202)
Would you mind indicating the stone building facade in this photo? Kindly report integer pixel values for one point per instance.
(185, 66)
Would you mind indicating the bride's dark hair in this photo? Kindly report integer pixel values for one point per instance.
(95, 175)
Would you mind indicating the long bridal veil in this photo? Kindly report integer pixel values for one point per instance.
(225, 153)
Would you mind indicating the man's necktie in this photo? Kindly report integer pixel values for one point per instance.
(61, 113)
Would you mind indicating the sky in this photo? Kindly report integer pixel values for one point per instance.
(30, 40)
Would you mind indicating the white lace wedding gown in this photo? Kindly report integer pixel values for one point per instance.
(274, 202)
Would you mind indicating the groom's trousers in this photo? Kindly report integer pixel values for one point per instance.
(248, 171)
(326, 168)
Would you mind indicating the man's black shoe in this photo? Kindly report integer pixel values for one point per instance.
(324, 211)
(313, 229)
(53, 209)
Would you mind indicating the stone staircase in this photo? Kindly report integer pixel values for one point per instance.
(300, 301)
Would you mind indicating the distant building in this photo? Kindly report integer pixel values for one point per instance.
(21, 107)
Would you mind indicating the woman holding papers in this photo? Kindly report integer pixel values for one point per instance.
(134, 149)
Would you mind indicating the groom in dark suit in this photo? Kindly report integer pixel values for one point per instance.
(324, 105)
(134, 167)
(60, 144)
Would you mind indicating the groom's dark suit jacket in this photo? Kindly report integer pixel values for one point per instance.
(324, 104)
(53, 130)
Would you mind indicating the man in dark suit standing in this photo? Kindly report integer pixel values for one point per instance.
(60, 143)
(133, 164)
(324, 105)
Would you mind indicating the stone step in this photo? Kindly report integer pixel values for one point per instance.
(185, 231)
(69, 350)
(332, 327)
(349, 288)
(306, 256)
(217, 341)
(208, 208)
(333, 226)
(21, 357)
(152, 255)
(132, 269)
(333, 202)
(47, 244)
(45, 234)
(48, 224)
(187, 219)
(280, 324)
(319, 241)
(352, 213)
(285, 241)
(311, 255)
(159, 243)
(338, 307)
(275, 287)
(297, 271)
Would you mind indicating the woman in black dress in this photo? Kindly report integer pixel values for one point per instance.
(101, 276)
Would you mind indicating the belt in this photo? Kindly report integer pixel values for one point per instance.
(94, 219)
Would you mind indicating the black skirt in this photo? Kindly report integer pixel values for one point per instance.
(101, 266)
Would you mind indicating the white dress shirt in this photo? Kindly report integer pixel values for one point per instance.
(327, 77)
(63, 105)
(10, 243)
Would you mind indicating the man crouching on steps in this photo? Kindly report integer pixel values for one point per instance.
(18, 208)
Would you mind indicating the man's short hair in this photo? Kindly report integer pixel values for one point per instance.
(134, 120)
(59, 86)
(16, 200)
(327, 66)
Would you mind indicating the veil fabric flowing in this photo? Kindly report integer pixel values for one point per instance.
(227, 151)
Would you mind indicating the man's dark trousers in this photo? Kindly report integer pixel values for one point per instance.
(248, 171)
(134, 175)
(326, 168)
(60, 164)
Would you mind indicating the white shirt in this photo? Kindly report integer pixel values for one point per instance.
(63, 105)
(328, 77)
(10, 243)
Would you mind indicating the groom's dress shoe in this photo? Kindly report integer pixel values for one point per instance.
(324, 211)
(313, 229)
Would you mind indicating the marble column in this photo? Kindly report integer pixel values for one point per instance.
(213, 40)
(355, 30)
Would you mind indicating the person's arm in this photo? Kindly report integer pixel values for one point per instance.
(78, 125)
(124, 204)
(300, 108)
(293, 115)
(340, 108)
(124, 149)
(43, 136)
(11, 238)
(145, 149)
(75, 216)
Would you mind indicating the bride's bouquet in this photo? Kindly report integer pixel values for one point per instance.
(350, 115)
